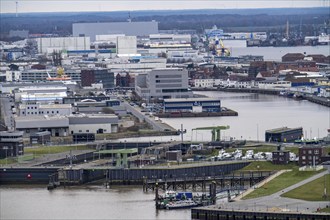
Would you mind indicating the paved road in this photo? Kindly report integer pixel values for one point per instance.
(156, 125)
(6, 111)
(276, 202)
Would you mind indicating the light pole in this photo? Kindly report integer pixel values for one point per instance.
(6, 149)
(258, 132)
(326, 165)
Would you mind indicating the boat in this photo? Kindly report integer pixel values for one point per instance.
(181, 204)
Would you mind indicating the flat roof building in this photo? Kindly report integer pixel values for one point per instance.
(57, 125)
(96, 124)
(192, 105)
(283, 134)
(33, 108)
(163, 84)
(11, 144)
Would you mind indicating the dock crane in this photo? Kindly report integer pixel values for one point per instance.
(215, 130)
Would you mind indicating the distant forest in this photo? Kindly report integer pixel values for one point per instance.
(271, 20)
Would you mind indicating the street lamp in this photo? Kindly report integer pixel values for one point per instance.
(326, 165)
(6, 149)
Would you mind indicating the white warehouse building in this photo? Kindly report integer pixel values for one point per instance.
(97, 124)
(48, 45)
(36, 108)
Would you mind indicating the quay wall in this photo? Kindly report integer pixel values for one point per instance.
(25, 175)
(221, 214)
(138, 174)
(75, 176)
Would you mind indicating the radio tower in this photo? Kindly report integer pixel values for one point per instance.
(16, 9)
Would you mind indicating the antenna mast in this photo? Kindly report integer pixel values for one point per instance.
(16, 9)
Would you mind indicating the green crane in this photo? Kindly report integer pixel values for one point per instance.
(215, 130)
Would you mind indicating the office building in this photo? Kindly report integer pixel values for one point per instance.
(11, 144)
(92, 76)
(163, 84)
(192, 105)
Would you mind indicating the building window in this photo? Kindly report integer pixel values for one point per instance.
(28, 107)
(57, 112)
(47, 112)
(303, 157)
(316, 151)
(80, 130)
(87, 130)
(309, 151)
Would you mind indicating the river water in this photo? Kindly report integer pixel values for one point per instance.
(93, 202)
(256, 113)
(276, 53)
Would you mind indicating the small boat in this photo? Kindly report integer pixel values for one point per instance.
(181, 204)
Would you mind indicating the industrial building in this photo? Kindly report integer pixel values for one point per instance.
(142, 28)
(9, 87)
(97, 124)
(163, 84)
(51, 44)
(56, 125)
(41, 137)
(91, 106)
(43, 75)
(126, 45)
(35, 108)
(11, 144)
(137, 64)
(92, 76)
(283, 134)
(192, 105)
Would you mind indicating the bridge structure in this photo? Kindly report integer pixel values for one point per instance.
(232, 182)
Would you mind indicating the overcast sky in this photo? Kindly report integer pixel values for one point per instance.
(9, 6)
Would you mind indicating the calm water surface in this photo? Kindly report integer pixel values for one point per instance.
(82, 203)
(276, 53)
(256, 113)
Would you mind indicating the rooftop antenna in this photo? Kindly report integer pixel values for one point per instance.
(287, 29)
(129, 17)
(16, 9)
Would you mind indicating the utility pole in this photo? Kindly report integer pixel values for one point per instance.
(181, 132)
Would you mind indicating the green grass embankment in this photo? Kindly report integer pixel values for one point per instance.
(281, 182)
(312, 191)
(53, 149)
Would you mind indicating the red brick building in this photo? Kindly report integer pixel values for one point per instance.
(309, 154)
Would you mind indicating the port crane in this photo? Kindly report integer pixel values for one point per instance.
(215, 130)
